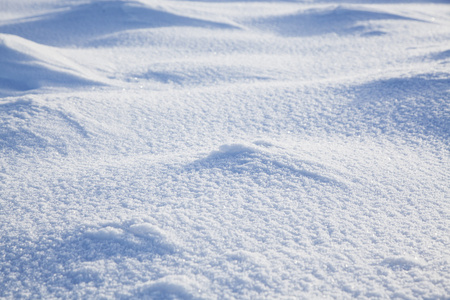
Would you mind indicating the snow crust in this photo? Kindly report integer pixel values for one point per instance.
(224, 149)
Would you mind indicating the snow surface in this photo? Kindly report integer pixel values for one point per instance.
(224, 149)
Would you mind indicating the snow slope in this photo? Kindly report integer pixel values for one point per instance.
(27, 65)
(224, 149)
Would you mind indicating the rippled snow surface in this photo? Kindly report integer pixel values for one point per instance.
(224, 149)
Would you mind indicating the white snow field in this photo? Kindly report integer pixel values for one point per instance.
(224, 149)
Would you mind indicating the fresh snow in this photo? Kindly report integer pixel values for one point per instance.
(224, 149)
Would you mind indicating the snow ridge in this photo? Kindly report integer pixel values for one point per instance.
(27, 65)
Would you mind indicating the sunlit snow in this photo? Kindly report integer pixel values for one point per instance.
(224, 149)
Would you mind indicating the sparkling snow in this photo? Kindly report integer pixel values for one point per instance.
(224, 149)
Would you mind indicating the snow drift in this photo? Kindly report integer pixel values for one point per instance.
(224, 149)
(339, 20)
(77, 25)
(27, 65)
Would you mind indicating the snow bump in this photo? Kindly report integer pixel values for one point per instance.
(403, 263)
(134, 235)
(261, 157)
(173, 287)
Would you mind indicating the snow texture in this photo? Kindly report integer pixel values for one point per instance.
(224, 149)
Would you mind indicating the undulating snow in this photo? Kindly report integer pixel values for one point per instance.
(224, 149)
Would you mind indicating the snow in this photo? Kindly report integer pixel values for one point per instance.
(224, 149)
(27, 65)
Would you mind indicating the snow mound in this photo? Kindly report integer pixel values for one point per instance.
(172, 287)
(262, 158)
(133, 235)
(26, 65)
(79, 24)
(403, 263)
(319, 21)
